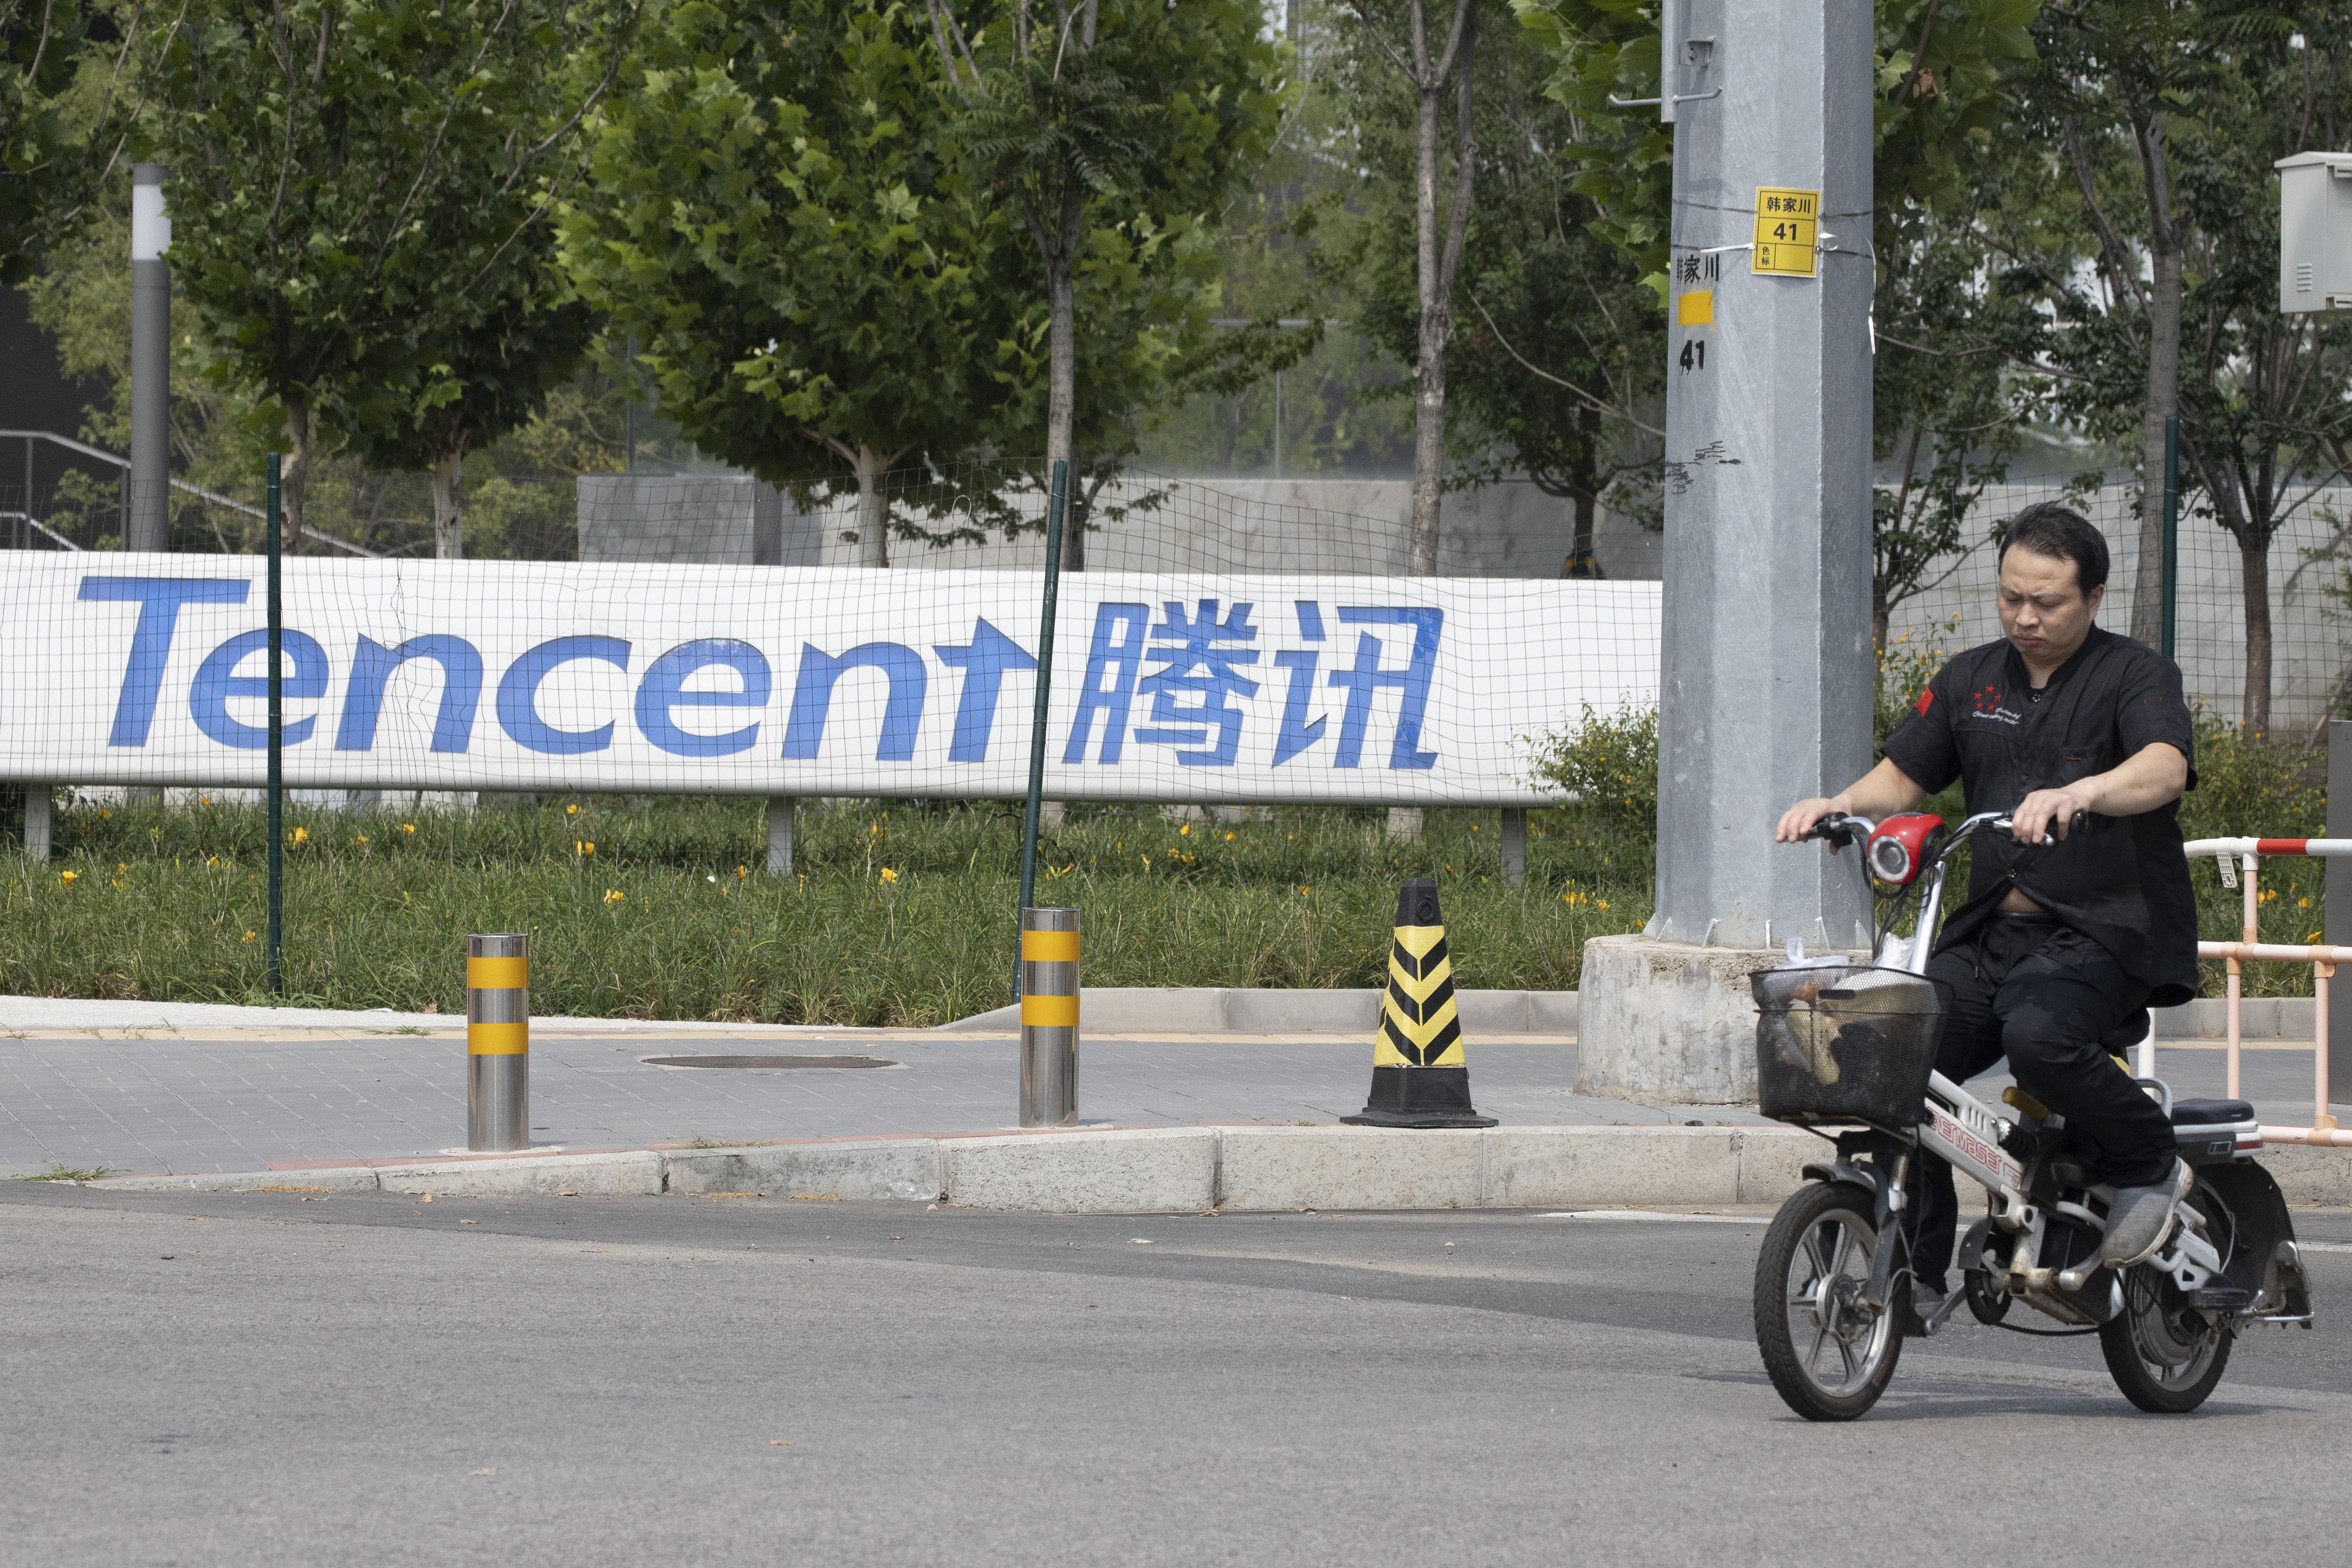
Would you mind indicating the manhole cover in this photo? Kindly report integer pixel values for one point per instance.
(767, 1062)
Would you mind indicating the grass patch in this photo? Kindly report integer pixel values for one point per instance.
(61, 1173)
(900, 913)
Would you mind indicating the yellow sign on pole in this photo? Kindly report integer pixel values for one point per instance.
(1788, 230)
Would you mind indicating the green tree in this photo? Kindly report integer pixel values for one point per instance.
(350, 183)
(2118, 81)
(774, 212)
(1113, 130)
(1430, 65)
(490, 377)
(1560, 347)
(63, 122)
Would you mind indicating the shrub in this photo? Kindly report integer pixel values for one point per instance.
(1609, 763)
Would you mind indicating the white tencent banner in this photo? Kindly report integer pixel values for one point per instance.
(145, 669)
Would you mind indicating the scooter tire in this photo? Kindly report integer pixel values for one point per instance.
(2143, 1376)
(1805, 1304)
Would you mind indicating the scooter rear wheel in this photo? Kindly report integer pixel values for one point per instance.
(1830, 1355)
(2165, 1358)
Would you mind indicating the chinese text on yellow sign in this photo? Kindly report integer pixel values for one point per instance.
(1787, 227)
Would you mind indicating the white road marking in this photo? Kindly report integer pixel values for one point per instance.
(2324, 1247)
(1682, 1218)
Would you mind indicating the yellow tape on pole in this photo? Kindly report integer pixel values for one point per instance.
(498, 1039)
(1049, 1011)
(1049, 946)
(496, 974)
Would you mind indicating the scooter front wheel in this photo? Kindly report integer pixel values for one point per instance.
(1828, 1352)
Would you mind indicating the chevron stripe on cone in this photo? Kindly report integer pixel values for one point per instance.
(1419, 1076)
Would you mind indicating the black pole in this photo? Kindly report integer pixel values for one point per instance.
(2171, 529)
(1054, 509)
(277, 978)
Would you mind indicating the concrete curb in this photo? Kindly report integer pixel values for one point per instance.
(1209, 1009)
(1154, 1169)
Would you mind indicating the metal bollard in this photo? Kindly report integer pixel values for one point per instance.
(1049, 1017)
(498, 1044)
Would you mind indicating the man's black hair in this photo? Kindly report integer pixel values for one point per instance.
(2047, 528)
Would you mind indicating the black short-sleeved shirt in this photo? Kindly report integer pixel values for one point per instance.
(2124, 880)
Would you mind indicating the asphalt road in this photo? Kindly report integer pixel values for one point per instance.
(290, 1378)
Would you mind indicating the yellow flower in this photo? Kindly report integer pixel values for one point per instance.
(1229, 838)
(889, 875)
(361, 839)
(248, 936)
(2303, 903)
(572, 810)
(1304, 888)
(2315, 938)
(583, 847)
(119, 866)
(212, 860)
(614, 896)
(68, 876)
(302, 835)
(409, 827)
(740, 873)
(1183, 830)
(105, 814)
(204, 800)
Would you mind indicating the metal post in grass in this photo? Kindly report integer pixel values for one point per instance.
(277, 979)
(2171, 529)
(1054, 507)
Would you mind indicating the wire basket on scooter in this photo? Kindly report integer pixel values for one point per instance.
(1833, 1045)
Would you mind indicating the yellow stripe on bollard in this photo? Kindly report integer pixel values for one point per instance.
(1049, 946)
(498, 1039)
(496, 974)
(1049, 1011)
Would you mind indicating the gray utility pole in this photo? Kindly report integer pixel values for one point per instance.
(149, 523)
(1767, 677)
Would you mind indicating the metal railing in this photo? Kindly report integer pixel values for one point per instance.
(85, 450)
(2240, 861)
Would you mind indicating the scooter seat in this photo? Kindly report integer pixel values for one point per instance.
(2210, 1113)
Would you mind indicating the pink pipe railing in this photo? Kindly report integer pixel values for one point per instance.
(2244, 857)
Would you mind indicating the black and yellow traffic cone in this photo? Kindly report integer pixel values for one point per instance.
(1418, 1076)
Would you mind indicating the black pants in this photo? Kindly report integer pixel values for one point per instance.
(2044, 995)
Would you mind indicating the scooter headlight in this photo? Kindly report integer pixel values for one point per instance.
(1890, 859)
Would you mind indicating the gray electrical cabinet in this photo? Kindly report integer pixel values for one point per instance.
(2315, 232)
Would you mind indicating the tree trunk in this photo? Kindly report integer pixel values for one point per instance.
(294, 477)
(2163, 402)
(1436, 262)
(1581, 563)
(2254, 574)
(1062, 356)
(873, 508)
(449, 505)
(1428, 367)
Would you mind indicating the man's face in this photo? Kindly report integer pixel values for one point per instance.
(2044, 613)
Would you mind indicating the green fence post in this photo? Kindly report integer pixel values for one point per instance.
(277, 978)
(2171, 529)
(1053, 510)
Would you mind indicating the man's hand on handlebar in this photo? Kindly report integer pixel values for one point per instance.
(2049, 813)
(1798, 820)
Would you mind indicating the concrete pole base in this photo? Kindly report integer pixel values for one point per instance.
(1665, 1023)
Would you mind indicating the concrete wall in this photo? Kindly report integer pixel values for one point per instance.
(1510, 529)
(2310, 631)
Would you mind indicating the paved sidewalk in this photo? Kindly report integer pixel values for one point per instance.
(228, 1099)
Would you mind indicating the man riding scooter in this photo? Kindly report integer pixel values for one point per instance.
(2067, 934)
